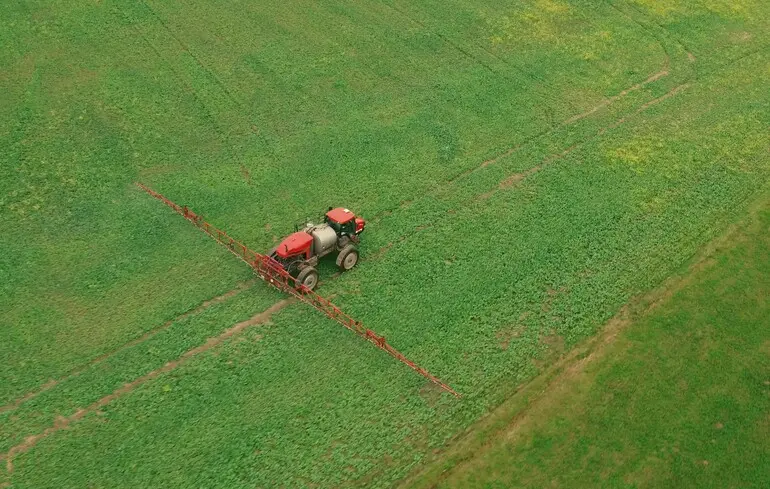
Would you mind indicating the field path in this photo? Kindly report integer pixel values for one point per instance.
(64, 422)
(572, 120)
(604, 103)
(149, 334)
(518, 177)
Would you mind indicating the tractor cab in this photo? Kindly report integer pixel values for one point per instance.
(344, 222)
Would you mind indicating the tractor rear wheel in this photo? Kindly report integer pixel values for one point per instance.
(348, 258)
(308, 277)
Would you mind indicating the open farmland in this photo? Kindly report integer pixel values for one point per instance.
(526, 168)
(672, 393)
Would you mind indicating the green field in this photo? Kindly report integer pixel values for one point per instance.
(674, 393)
(526, 167)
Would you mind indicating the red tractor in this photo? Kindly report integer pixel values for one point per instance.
(299, 252)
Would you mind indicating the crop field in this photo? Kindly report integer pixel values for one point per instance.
(526, 169)
(672, 393)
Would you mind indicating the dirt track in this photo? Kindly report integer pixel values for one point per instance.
(104, 356)
(63, 422)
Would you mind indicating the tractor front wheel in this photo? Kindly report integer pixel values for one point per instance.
(348, 258)
(308, 278)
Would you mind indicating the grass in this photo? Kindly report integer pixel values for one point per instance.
(676, 397)
(526, 167)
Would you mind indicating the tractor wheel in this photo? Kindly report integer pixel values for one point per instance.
(294, 268)
(348, 258)
(308, 278)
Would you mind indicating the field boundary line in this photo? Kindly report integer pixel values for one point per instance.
(64, 422)
(465, 447)
(136, 341)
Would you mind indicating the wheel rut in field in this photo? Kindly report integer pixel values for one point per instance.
(64, 422)
(517, 178)
(605, 103)
(186, 48)
(665, 71)
(141, 339)
(608, 101)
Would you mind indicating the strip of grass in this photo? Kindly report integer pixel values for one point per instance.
(678, 399)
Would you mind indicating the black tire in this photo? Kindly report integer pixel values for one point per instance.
(348, 258)
(294, 268)
(307, 278)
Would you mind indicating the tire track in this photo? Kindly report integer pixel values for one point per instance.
(516, 178)
(195, 58)
(667, 33)
(207, 113)
(64, 422)
(149, 334)
(665, 71)
(603, 104)
(606, 102)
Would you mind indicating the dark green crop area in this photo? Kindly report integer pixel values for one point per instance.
(677, 399)
(526, 168)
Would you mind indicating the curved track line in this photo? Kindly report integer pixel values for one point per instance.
(64, 422)
(149, 334)
(195, 58)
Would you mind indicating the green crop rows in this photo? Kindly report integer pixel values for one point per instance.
(527, 167)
